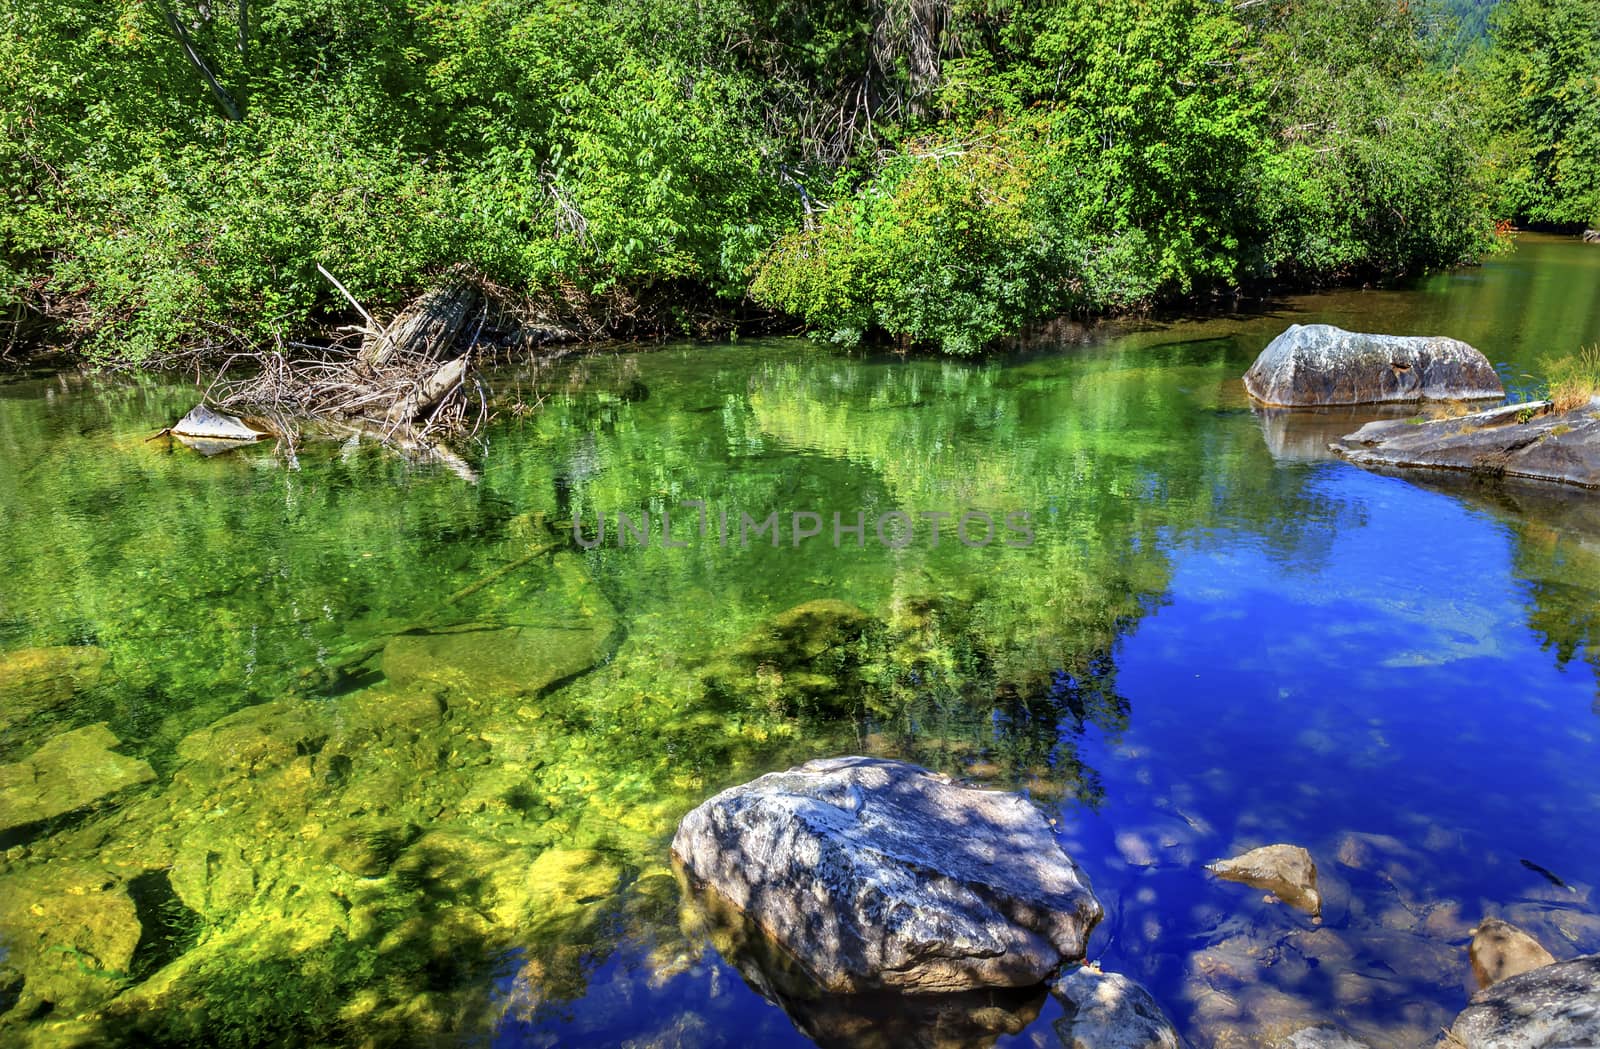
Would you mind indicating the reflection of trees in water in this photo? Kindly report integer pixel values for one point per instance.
(1556, 551)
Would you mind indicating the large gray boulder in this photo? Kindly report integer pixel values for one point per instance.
(1552, 1007)
(1522, 441)
(877, 874)
(1319, 364)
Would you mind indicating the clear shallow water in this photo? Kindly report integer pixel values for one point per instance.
(1218, 639)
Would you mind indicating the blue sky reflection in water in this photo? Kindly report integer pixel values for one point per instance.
(1377, 684)
(1220, 639)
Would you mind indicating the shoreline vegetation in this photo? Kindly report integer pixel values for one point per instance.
(192, 183)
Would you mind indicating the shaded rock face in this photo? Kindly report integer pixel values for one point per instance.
(1319, 364)
(1530, 441)
(1286, 871)
(71, 772)
(877, 874)
(871, 1020)
(1500, 950)
(1110, 1011)
(1552, 1007)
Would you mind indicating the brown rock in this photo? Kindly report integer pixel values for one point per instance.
(1286, 871)
(1500, 950)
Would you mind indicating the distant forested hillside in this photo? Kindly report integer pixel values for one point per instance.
(1473, 16)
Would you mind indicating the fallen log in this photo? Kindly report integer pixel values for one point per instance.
(428, 328)
(428, 393)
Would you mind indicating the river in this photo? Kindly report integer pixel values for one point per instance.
(397, 756)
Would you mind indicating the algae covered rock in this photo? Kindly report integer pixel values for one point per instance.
(264, 736)
(1500, 950)
(808, 656)
(1286, 871)
(487, 660)
(212, 877)
(36, 680)
(1553, 1007)
(877, 874)
(70, 930)
(1319, 364)
(73, 771)
(366, 847)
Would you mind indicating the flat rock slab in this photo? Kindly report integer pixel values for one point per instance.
(877, 874)
(1319, 364)
(1552, 1007)
(1323, 1036)
(1528, 441)
(71, 772)
(34, 681)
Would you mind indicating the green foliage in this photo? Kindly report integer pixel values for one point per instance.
(1166, 148)
(1575, 380)
(942, 174)
(1542, 82)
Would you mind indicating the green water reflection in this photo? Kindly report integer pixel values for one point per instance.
(410, 745)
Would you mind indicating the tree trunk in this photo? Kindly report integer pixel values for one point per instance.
(427, 328)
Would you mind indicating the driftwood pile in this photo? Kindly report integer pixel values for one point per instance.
(408, 384)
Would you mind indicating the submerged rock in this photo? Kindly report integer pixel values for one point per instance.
(878, 874)
(1500, 950)
(488, 660)
(73, 771)
(210, 877)
(34, 681)
(70, 930)
(806, 656)
(1319, 364)
(1552, 1007)
(1286, 871)
(1323, 1036)
(366, 847)
(1531, 441)
(1110, 1011)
